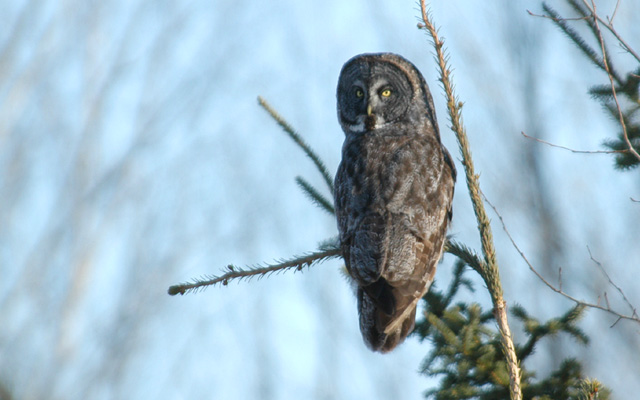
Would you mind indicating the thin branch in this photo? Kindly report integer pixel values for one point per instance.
(490, 272)
(609, 26)
(299, 141)
(251, 272)
(560, 21)
(573, 150)
(573, 35)
(613, 86)
(583, 8)
(633, 317)
(615, 11)
(618, 288)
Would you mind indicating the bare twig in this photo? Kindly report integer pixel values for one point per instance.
(625, 135)
(573, 150)
(615, 11)
(490, 272)
(634, 317)
(608, 24)
(235, 273)
(618, 288)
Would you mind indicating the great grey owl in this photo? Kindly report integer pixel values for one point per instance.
(393, 192)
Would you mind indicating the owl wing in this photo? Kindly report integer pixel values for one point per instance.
(408, 273)
(392, 253)
(362, 229)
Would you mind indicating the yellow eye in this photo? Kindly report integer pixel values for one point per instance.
(386, 93)
(359, 93)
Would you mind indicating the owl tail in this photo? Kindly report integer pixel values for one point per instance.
(382, 331)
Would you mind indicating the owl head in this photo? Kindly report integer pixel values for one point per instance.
(378, 91)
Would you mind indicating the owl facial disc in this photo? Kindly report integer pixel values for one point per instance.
(372, 95)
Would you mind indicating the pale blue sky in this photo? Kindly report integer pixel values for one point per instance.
(135, 156)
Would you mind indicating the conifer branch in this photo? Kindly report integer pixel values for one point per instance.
(465, 254)
(456, 282)
(588, 12)
(585, 11)
(490, 272)
(234, 273)
(610, 74)
(443, 329)
(315, 196)
(299, 141)
(466, 351)
(572, 34)
(591, 389)
(536, 331)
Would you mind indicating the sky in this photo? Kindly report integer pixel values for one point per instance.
(134, 156)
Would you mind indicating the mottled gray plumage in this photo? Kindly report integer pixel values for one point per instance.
(394, 189)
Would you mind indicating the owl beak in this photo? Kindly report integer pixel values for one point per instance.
(369, 109)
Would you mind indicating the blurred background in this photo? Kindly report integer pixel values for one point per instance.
(134, 156)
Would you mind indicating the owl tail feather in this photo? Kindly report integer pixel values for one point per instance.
(383, 331)
(381, 293)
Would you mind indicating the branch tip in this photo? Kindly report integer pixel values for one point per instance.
(175, 289)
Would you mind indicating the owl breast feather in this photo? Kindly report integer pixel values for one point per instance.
(390, 181)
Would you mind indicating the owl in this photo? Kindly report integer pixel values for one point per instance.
(393, 192)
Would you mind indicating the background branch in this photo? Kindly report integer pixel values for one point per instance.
(634, 312)
(573, 150)
(633, 317)
(606, 94)
(625, 134)
(609, 25)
